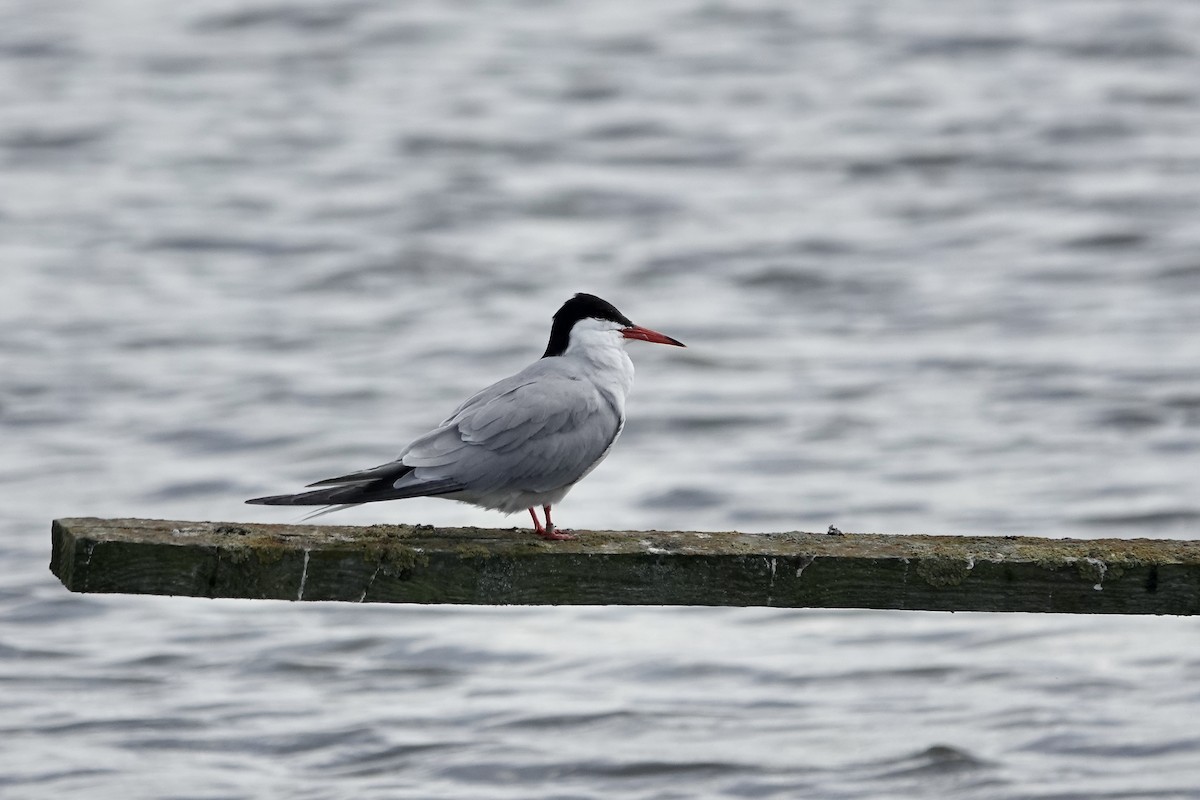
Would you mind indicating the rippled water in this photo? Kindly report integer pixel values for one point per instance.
(937, 266)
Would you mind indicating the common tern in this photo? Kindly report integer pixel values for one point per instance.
(522, 442)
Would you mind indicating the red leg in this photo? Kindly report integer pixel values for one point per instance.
(537, 523)
(551, 532)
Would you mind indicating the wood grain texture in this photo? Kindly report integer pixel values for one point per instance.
(421, 564)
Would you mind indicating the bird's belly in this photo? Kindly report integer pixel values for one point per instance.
(510, 501)
(518, 496)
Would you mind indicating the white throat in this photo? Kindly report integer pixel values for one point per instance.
(600, 347)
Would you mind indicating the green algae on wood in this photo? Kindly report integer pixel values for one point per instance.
(423, 564)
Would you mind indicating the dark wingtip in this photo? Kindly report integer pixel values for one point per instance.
(275, 500)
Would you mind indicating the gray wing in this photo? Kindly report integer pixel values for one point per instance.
(534, 432)
(537, 431)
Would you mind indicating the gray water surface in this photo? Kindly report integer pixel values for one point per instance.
(938, 268)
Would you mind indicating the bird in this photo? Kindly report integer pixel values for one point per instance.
(522, 442)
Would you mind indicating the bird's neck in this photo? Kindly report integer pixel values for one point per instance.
(602, 355)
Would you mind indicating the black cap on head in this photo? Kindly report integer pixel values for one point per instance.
(581, 306)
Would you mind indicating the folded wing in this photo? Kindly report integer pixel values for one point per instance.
(532, 436)
(530, 433)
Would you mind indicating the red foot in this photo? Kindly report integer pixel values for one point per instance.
(548, 531)
(555, 535)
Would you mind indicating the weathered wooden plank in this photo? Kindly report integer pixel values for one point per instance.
(406, 564)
